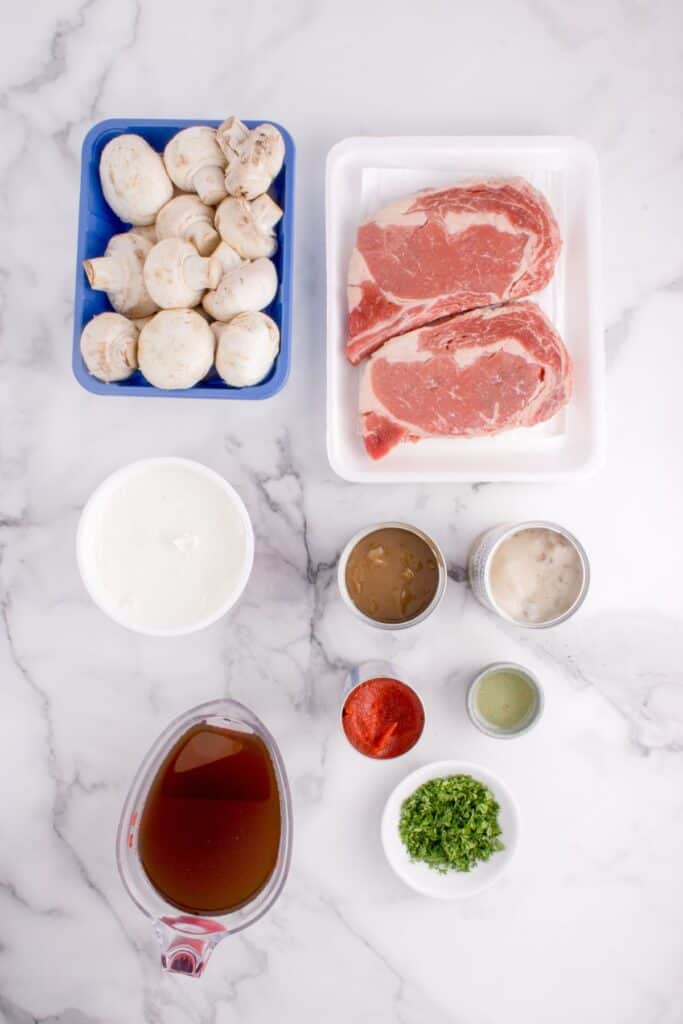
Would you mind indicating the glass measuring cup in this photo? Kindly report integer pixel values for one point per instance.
(187, 939)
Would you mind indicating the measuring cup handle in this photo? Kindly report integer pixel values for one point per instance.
(187, 943)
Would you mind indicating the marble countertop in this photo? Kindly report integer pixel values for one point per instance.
(586, 926)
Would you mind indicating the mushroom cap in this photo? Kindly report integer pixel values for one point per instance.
(238, 226)
(189, 151)
(165, 275)
(134, 180)
(256, 162)
(109, 347)
(247, 287)
(247, 347)
(176, 349)
(129, 250)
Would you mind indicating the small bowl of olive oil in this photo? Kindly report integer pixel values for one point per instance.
(505, 700)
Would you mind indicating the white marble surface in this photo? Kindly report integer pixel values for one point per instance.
(586, 927)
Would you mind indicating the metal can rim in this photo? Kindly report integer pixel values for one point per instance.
(535, 524)
(438, 593)
(362, 682)
(501, 734)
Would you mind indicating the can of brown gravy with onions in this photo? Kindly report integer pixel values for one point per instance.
(392, 575)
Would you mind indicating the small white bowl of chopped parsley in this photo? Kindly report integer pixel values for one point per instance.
(450, 829)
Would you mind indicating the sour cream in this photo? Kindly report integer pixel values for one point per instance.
(165, 546)
(536, 575)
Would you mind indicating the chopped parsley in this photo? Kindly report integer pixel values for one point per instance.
(451, 823)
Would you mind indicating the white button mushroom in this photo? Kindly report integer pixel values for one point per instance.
(254, 157)
(248, 287)
(176, 275)
(187, 217)
(247, 347)
(134, 179)
(248, 227)
(109, 347)
(119, 273)
(176, 349)
(196, 164)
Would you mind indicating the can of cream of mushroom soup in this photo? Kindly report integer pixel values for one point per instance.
(482, 556)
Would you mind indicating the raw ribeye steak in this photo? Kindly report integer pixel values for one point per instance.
(446, 250)
(469, 375)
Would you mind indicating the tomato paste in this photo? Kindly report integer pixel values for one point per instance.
(383, 718)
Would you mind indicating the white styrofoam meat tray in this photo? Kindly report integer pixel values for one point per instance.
(364, 174)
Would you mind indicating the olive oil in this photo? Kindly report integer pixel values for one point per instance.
(210, 829)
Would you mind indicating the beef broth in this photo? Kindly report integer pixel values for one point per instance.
(209, 833)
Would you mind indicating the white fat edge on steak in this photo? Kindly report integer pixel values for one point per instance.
(396, 214)
(399, 214)
(358, 273)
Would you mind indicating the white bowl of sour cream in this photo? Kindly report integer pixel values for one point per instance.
(165, 546)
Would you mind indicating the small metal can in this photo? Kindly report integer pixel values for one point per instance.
(524, 726)
(363, 673)
(481, 557)
(440, 589)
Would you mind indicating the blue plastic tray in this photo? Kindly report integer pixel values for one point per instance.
(96, 224)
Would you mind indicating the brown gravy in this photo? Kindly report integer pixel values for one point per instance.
(392, 575)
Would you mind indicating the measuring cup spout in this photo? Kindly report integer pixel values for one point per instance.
(187, 943)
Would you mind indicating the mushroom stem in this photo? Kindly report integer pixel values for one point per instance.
(202, 272)
(230, 136)
(203, 237)
(105, 274)
(209, 182)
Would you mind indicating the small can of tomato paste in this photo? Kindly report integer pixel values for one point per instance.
(382, 717)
